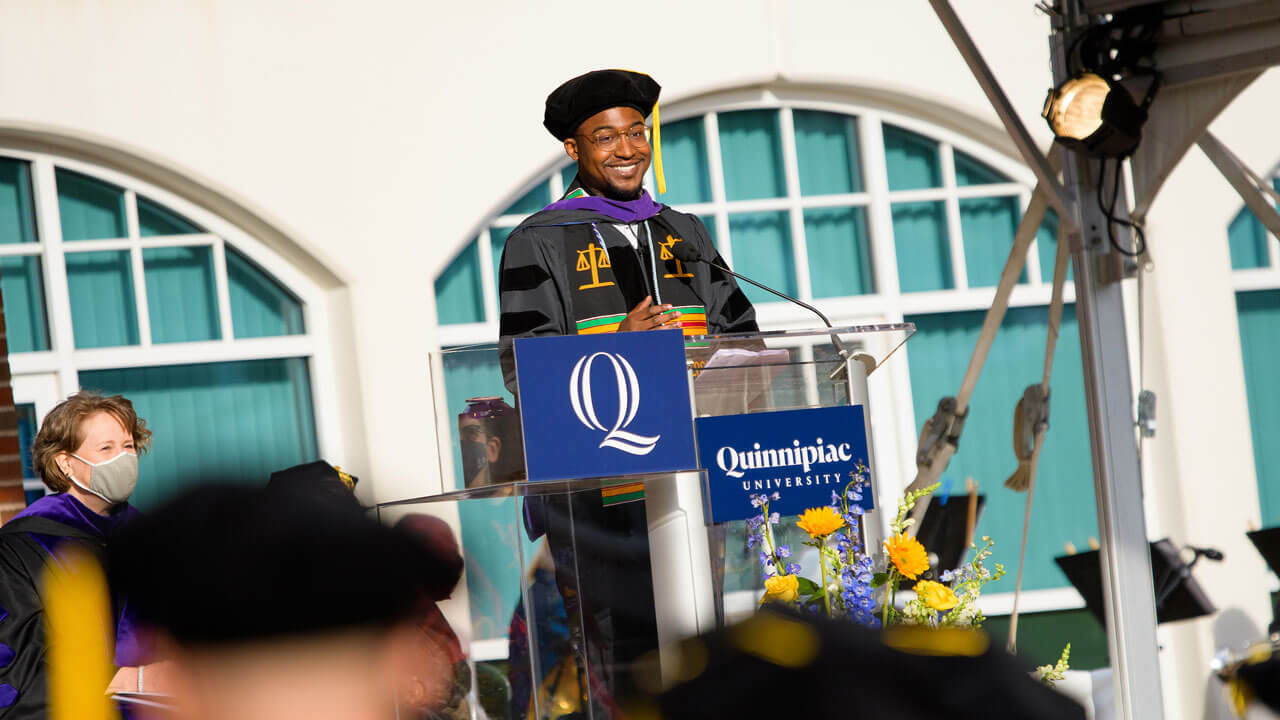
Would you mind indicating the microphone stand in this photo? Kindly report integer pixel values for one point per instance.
(1180, 575)
(688, 253)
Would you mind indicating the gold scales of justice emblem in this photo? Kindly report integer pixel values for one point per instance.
(594, 257)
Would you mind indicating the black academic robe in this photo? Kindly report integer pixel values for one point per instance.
(26, 544)
(553, 279)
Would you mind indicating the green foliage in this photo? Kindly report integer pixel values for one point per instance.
(1051, 674)
(908, 501)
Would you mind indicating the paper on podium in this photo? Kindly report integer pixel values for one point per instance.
(734, 378)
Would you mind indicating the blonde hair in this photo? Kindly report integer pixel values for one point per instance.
(62, 431)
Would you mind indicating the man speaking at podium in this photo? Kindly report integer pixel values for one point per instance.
(599, 260)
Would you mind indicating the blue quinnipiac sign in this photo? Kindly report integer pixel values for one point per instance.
(605, 405)
(804, 455)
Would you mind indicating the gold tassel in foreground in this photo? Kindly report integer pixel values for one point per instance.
(77, 613)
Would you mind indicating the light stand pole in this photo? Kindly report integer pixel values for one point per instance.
(1128, 594)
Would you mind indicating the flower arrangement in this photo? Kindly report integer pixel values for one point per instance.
(862, 584)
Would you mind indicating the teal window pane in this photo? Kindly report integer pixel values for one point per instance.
(181, 300)
(751, 151)
(459, 296)
(1064, 506)
(225, 422)
(17, 213)
(497, 243)
(1259, 317)
(987, 226)
(22, 288)
(762, 252)
(827, 153)
(709, 222)
(260, 306)
(103, 313)
(923, 250)
(567, 174)
(1247, 237)
(532, 201)
(154, 220)
(971, 171)
(684, 160)
(839, 251)
(27, 428)
(912, 160)
(90, 209)
(1047, 242)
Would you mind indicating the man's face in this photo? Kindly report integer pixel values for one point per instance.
(616, 173)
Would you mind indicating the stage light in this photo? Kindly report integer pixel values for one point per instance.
(1094, 115)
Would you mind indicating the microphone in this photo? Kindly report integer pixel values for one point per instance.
(687, 252)
(1207, 552)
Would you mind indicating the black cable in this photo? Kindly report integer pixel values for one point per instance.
(1109, 212)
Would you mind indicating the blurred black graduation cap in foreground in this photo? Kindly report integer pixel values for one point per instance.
(782, 664)
(1178, 595)
(225, 564)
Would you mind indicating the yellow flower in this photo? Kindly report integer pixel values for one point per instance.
(936, 595)
(782, 588)
(907, 554)
(820, 521)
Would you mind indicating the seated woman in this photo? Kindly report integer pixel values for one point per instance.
(87, 453)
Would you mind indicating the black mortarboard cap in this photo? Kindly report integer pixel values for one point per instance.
(1268, 543)
(836, 668)
(942, 532)
(313, 474)
(223, 564)
(1184, 598)
(580, 98)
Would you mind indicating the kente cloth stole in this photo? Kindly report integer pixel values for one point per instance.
(606, 282)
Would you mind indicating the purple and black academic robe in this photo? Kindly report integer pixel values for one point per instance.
(23, 555)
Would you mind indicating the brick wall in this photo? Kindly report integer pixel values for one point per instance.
(12, 499)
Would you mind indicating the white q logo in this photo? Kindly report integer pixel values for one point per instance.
(628, 403)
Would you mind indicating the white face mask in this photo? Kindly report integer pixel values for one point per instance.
(112, 480)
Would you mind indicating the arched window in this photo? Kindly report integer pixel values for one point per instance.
(114, 285)
(875, 216)
(1255, 262)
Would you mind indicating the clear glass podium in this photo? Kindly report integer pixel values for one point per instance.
(577, 588)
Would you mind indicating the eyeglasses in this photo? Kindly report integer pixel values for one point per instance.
(608, 139)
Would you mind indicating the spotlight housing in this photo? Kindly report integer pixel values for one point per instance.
(1094, 115)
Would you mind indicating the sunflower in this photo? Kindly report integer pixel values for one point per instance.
(907, 554)
(781, 588)
(936, 595)
(820, 521)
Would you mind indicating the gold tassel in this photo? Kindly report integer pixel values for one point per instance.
(77, 614)
(657, 153)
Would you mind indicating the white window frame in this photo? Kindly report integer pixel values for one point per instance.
(66, 362)
(896, 437)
